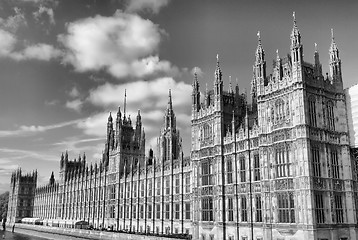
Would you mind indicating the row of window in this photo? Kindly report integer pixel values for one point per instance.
(317, 164)
(328, 114)
(285, 211)
(337, 215)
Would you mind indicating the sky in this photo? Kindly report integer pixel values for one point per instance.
(64, 65)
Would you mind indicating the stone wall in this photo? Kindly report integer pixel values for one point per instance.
(43, 231)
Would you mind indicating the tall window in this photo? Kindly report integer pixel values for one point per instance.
(339, 208)
(316, 162)
(242, 169)
(243, 209)
(335, 164)
(187, 182)
(134, 189)
(206, 132)
(177, 211)
(207, 209)
(206, 174)
(150, 187)
(134, 209)
(167, 211)
(319, 204)
(157, 209)
(158, 186)
(177, 183)
(229, 170)
(230, 209)
(286, 207)
(167, 185)
(280, 110)
(258, 209)
(282, 162)
(128, 190)
(312, 112)
(141, 209)
(187, 210)
(257, 174)
(149, 211)
(330, 116)
(142, 188)
(113, 192)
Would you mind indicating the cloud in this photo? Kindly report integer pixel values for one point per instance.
(124, 45)
(75, 105)
(27, 130)
(74, 92)
(12, 23)
(149, 5)
(44, 11)
(142, 94)
(24, 154)
(40, 51)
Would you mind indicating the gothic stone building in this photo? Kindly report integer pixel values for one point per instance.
(281, 168)
(125, 191)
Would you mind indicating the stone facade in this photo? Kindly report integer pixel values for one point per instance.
(281, 167)
(21, 196)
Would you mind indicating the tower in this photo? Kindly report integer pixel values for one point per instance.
(21, 196)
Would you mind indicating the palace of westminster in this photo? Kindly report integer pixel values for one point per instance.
(282, 167)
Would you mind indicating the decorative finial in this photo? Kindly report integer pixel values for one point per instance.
(277, 55)
(332, 34)
(315, 47)
(259, 36)
(294, 18)
(125, 101)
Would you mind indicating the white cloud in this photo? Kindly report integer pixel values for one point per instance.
(75, 105)
(41, 51)
(74, 92)
(26, 130)
(12, 23)
(42, 11)
(7, 42)
(149, 5)
(124, 45)
(142, 94)
(23, 154)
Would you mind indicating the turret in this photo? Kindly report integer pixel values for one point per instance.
(335, 63)
(169, 116)
(196, 93)
(317, 64)
(296, 45)
(259, 71)
(218, 83)
(138, 128)
(52, 179)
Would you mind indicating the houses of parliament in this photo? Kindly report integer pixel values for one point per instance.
(281, 167)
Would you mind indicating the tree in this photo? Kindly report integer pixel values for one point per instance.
(4, 199)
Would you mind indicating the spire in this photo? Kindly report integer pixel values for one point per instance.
(295, 34)
(335, 62)
(218, 73)
(110, 119)
(170, 104)
(119, 114)
(139, 118)
(296, 46)
(125, 102)
(333, 49)
(230, 86)
(196, 92)
(315, 48)
(277, 55)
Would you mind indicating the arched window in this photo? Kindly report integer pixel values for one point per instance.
(330, 116)
(312, 111)
(280, 110)
(206, 131)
